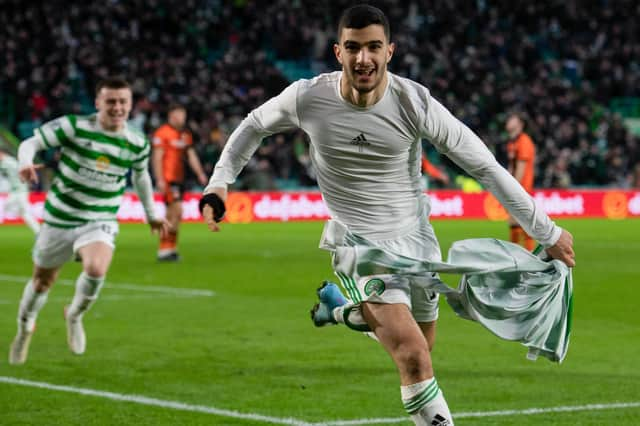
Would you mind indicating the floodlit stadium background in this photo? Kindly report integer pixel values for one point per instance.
(224, 336)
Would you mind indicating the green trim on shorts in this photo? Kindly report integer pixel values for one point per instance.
(569, 294)
(350, 285)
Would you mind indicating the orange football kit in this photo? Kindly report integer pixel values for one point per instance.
(174, 144)
(522, 149)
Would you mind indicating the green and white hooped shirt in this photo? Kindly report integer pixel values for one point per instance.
(92, 171)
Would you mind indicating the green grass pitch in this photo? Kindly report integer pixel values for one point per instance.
(249, 347)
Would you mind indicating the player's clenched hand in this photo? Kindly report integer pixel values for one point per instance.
(207, 214)
(563, 249)
(29, 173)
(208, 209)
(160, 226)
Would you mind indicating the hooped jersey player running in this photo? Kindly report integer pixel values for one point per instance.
(368, 159)
(92, 171)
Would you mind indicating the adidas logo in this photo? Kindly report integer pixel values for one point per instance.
(438, 420)
(360, 141)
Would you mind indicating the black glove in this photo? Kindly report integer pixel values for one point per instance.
(216, 203)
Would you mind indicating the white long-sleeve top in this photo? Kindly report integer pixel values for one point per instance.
(367, 160)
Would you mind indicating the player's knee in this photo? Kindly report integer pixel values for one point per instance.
(414, 362)
(431, 342)
(430, 337)
(42, 281)
(96, 268)
(177, 217)
(174, 222)
(428, 329)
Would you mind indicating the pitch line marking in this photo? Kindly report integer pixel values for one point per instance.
(502, 413)
(126, 286)
(115, 297)
(176, 405)
(144, 400)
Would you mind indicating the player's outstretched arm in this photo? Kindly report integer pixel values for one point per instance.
(212, 207)
(142, 184)
(276, 115)
(563, 249)
(27, 171)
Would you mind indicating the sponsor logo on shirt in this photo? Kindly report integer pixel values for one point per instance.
(96, 175)
(178, 143)
(102, 163)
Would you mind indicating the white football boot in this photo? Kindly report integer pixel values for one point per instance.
(76, 339)
(20, 345)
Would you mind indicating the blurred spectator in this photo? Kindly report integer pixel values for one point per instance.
(635, 177)
(561, 63)
(210, 150)
(556, 174)
(259, 173)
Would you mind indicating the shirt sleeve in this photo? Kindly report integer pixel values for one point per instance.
(455, 140)
(142, 184)
(274, 116)
(142, 162)
(27, 150)
(57, 132)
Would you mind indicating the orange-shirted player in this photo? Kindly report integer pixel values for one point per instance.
(434, 172)
(521, 153)
(172, 144)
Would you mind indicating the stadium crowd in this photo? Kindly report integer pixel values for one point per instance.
(561, 63)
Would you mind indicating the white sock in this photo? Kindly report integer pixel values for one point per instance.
(425, 404)
(87, 289)
(351, 316)
(338, 314)
(30, 304)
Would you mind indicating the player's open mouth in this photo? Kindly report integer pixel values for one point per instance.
(365, 72)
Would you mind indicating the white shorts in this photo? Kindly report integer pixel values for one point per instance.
(55, 246)
(421, 243)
